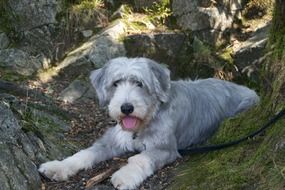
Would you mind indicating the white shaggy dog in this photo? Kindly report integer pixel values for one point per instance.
(155, 116)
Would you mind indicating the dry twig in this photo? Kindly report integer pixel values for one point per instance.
(104, 175)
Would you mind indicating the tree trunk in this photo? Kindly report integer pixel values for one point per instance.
(277, 36)
(279, 15)
(275, 66)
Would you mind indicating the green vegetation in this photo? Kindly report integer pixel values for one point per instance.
(277, 37)
(3, 15)
(226, 55)
(50, 128)
(159, 12)
(150, 19)
(12, 76)
(87, 5)
(136, 22)
(5, 24)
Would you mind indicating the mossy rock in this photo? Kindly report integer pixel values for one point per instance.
(30, 135)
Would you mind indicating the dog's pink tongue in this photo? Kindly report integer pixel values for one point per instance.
(129, 122)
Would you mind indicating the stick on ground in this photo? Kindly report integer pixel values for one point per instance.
(102, 176)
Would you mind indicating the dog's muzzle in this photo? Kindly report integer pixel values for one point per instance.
(128, 121)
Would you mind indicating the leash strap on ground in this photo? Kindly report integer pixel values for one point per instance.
(209, 148)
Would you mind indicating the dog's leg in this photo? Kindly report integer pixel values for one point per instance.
(84, 159)
(141, 166)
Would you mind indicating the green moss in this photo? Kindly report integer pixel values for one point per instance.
(11, 76)
(251, 164)
(277, 33)
(5, 19)
(159, 12)
(49, 128)
(200, 48)
(226, 55)
(278, 39)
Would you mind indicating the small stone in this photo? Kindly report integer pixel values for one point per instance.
(19, 61)
(73, 92)
(87, 33)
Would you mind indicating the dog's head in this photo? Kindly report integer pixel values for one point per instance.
(133, 88)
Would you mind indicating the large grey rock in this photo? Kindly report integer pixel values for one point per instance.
(74, 91)
(48, 29)
(248, 54)
(4, 41)
(19, 62)
(29, 14)
(17, 169)
(28, 137)
(184, 54)
(206, 16)
(92, 54)
(162, 47)
(98, 49)
(35, 26)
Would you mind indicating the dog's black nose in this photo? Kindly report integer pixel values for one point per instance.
(127, 108)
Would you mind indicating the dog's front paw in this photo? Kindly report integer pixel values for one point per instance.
(56, 170)
(124, 179)
(128, 177)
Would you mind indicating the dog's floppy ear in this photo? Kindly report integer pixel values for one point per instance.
(98, 81)
(161, 79)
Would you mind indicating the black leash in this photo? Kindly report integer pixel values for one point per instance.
(209, 148)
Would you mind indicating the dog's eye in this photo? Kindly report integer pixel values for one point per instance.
(139, 84)
(115, 84)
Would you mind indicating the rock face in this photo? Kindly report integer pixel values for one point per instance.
(74, 91)
(92, 54)
(13, 158)
(163, 47)
(27, 137)
(252, 49)
(250, 54)
(34, 23)
(209, 19)
(159, 46)
(32, 14)
(18, 61)
(177, 50)
(47, 29)
(98, 49)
